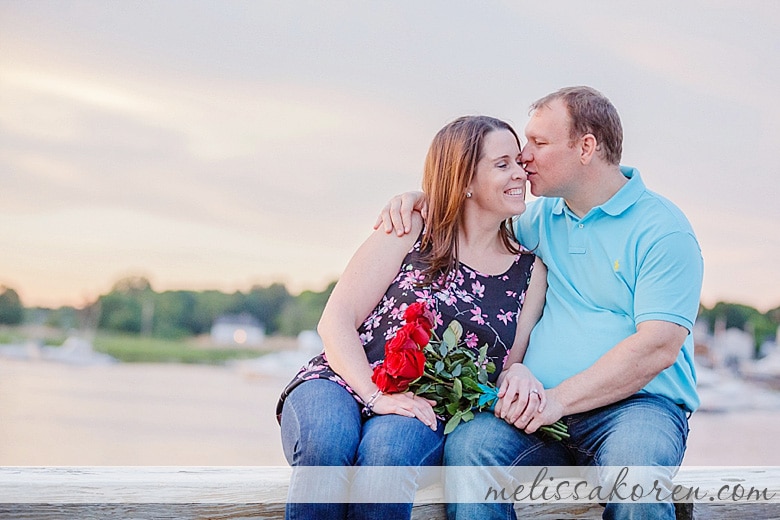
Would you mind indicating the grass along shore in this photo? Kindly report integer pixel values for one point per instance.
(131, 348)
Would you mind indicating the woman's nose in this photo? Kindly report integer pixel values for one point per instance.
(519, 172)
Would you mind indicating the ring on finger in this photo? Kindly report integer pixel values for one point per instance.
(535, 391)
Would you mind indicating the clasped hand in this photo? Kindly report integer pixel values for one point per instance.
(523, 401)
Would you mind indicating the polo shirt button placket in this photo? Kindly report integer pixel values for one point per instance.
(576, 240)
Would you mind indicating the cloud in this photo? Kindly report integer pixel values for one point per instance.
(289, 125)
(158, 139)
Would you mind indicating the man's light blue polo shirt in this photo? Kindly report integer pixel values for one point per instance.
(634, 258)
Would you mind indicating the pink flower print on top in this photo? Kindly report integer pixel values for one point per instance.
(389, 333)
(424, 296)
(408, 282)
(337, 379)
(398, 312)
(387, 304)
(479, 301)
(464, 296)
(477, 315)
(373, 321)
(447, 298)
(439, 320)
(505, 316)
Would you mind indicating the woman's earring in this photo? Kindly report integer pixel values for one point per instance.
(468, 194)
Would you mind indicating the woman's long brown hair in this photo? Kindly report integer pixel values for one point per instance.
(449, 168)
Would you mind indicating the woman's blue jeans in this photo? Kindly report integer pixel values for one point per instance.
(643, 430)
(322, 426)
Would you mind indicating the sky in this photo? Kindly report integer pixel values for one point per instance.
(225, 144)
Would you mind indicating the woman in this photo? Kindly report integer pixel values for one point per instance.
(465, 265)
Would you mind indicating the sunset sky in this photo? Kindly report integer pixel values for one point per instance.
(221, 144)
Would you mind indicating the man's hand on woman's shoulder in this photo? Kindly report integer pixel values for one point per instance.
(397, 214)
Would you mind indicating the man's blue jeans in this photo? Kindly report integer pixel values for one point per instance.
(643, 430)
(322, 426)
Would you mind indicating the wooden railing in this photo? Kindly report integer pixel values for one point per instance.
(259, 492)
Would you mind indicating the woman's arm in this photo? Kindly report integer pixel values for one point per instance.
(365, 280)
(530, 313)
(516, 381)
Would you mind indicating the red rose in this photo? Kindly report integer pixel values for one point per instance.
(405, 363)
(419, 312)
(417, 331)
(387, 383)
(401, 341)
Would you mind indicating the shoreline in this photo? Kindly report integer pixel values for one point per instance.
(56, 414)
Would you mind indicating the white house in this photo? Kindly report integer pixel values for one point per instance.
(242, 330)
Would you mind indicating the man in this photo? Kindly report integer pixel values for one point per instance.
(613, 348)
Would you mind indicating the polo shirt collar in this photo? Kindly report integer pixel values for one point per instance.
(620, 201)
(627, 195)
(559, 206)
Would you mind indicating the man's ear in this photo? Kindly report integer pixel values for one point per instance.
(589, 147)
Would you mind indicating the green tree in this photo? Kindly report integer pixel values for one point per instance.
(266, 304)
(11, 308)
(208, 306)
(733, 314)
(128, 307)
(119, 312)
(303, 312)
(774, 315)
(64, 318)
(173, 314)
(744, 317)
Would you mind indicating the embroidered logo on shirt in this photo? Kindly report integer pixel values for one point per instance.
(616, 265)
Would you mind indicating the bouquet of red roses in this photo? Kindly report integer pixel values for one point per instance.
(404, 358)
(442, 370)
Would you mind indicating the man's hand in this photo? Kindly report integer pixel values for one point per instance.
(397, 214)
(552, 411)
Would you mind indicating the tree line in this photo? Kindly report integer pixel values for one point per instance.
(133, 306)
(763, 326)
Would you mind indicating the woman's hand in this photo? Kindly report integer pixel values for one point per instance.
(408, 405)
(520, 395)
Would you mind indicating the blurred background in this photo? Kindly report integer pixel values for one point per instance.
(183, 182)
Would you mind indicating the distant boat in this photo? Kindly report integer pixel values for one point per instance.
(74, 351)
(765, 370)
(285, 363)
(721, 391)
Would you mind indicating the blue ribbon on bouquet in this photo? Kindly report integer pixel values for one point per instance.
(489, 396)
